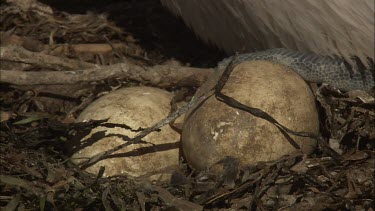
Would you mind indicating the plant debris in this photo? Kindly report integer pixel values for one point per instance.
(38, 118)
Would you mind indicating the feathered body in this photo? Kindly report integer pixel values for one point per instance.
(326, 27)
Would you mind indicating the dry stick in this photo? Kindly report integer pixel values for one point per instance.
(170, 199)
(265, 182)
(114, 50)
(19, 54)
(246, 185)
(159, 75)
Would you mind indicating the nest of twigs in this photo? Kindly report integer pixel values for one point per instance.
(40, 101)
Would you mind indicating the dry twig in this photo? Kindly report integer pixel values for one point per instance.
(159, 75)
(19, 54)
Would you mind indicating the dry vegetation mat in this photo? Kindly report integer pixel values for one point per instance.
(54, 64)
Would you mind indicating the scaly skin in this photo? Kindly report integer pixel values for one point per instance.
(314, 68)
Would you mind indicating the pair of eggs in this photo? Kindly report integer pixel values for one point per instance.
(212, 130)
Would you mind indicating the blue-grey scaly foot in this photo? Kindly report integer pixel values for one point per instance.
(314, 68)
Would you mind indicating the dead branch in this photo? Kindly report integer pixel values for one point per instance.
(91, 48)
(34, 45)
(19, 54)
(159, 75)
